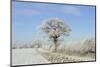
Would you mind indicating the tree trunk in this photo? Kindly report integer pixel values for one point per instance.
(55, 44)
(55, 48)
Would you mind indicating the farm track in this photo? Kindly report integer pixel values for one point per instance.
(27, 56)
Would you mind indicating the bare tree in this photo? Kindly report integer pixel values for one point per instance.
(55, 28)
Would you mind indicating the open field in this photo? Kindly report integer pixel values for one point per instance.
(40, 56)
(27, 56)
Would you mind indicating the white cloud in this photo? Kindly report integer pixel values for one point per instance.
(27, 12)
(71, 10)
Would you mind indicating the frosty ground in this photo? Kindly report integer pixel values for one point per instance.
(27, 56)
(39, 56)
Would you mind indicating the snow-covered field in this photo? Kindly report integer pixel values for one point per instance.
(27, 56)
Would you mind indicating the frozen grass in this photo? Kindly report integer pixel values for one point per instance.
(60, 58)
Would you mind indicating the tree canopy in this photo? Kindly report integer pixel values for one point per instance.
(55, 28)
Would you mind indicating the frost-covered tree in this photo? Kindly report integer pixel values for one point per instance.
(55, 28)
(89, 45)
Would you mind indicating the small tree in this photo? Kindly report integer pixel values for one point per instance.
(36, 44)
(55, 28)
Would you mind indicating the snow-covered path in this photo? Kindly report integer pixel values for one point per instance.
(27, 56)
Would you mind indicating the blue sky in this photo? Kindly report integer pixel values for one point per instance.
(27, 17)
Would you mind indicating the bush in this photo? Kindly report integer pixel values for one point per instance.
(84, 46)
